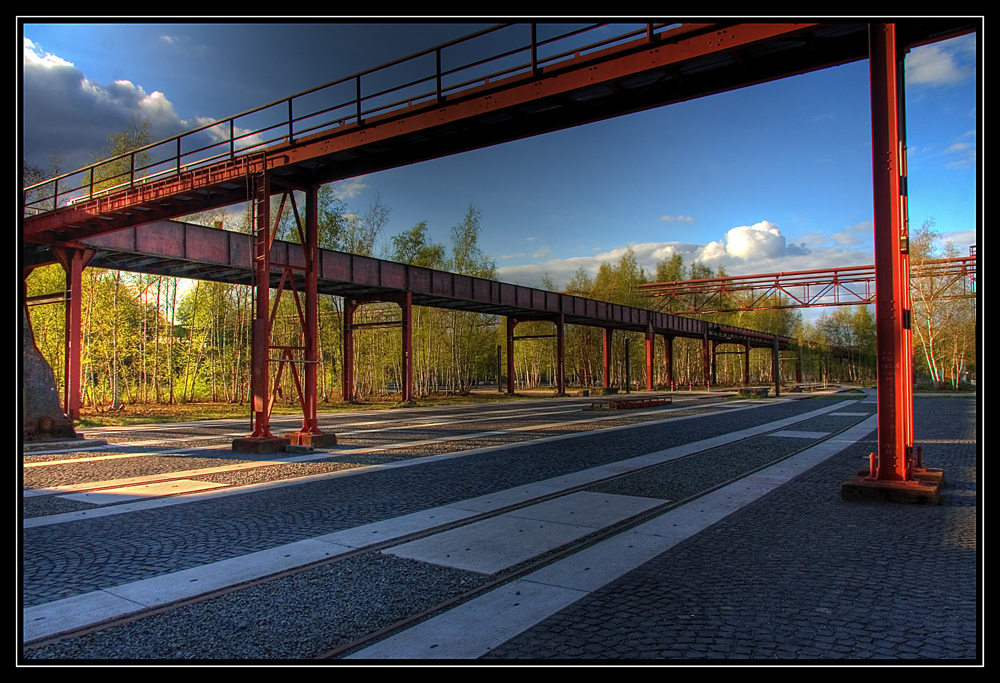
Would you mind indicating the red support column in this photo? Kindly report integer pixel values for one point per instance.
(891, 475)
(406, 304)
(311, 434)
(668, 344)
(73, 262)
(892, 306)
(776, 368)
(261, 440)
(261, 322)
(560, 323)
(608, 331)
(746, 364)
(650, 342)
(347, 375)
(706, 369)
(511, 324)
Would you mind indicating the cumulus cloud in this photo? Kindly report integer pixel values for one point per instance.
(938, 64)
(744, 250)
(350, 188)
(678, 218)
(56, 91)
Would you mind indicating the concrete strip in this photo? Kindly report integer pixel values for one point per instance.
(500, 542)
(475, 627)
(800, 435)
(126, 493)
(80, 611)
(398, 527)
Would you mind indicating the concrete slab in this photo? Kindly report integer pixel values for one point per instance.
(495, 544)
(800, 435)
(474, 628)
(127, 493)
(397, 527)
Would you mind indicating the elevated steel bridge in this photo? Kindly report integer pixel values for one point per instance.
(362, 124)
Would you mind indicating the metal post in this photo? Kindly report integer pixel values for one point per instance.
(628, 367)
(892, 267)
(608, 331)
(511, 324)
(73, 263)
(560, 354)
(705, 364)
(746, 364)
(310, 424)
(350, 305)
(406, 304)
(261, 327)
(668, 343)
(650, 339)
(776, 368)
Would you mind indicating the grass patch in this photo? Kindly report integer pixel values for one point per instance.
(191, 412)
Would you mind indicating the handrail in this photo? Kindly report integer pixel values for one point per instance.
(50, 194)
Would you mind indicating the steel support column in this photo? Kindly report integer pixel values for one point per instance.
(347, 375)
(706, 369)
(606, 349)
(776, 367)
(73, 262)
(746, 364)
(511, 324)
(261, 326)
(650, 341)
(560, 322)
(311, 434)
(405, 302)
(668, 356)
(892, 265)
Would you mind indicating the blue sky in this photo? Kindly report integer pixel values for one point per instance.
(776, 177)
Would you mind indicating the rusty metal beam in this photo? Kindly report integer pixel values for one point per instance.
(186, 250)
(850, 286)
(658, 66)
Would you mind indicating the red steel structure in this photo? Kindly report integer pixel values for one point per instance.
(195, 251)
(320, 136)
(850, 286)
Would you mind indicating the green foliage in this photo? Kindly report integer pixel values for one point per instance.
(122, 170)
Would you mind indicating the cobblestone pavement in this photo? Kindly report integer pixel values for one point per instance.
(801, 575)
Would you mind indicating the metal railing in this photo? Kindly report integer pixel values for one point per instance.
(330, 106)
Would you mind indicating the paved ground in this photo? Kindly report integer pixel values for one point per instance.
(801, 575)
(795, 575)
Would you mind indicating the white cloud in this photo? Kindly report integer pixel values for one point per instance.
(937, 64)
(56, 91)
(678, 218)
(350, 188)
(745, 250)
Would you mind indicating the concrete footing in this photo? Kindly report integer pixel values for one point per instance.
(260, 444)
(862, 489)
(308, 440)
(60, 444)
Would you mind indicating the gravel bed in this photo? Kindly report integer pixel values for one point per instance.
(42, 506)
(301, 616)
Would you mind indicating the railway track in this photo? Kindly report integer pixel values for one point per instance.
(636, 487)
